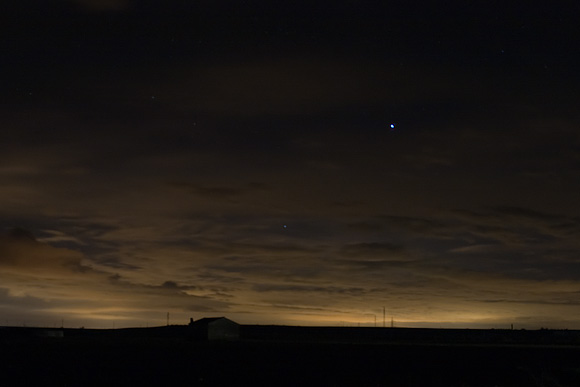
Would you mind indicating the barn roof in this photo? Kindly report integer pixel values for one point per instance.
(208, 320)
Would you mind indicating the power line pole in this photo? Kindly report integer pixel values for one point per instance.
(383, 316)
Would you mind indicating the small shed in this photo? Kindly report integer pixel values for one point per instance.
(214, 328)
(55, 333)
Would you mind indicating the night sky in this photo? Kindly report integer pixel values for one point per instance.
(237, 158)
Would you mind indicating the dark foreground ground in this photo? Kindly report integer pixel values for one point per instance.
(90, 361)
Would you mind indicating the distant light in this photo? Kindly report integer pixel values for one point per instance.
(285, 226)
(392, 126)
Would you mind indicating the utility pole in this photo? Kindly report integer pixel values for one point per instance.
(167, 318)
(383, 316)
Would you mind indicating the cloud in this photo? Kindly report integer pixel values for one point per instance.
(481, 249)
(19, 251)
(114, 262)
(292, 288)
(520, 225)
(24, 302)
(524, 213)
(55, 236)
(374, 250)
(53, 281)
(365, 226)
(420, 225)
(175, 286)
(208, 192)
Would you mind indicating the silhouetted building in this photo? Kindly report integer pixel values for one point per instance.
(55, 333)
(214, 328)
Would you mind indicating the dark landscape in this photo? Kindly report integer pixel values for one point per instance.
(291, 356)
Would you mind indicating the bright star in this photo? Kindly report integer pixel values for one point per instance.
(392, 126)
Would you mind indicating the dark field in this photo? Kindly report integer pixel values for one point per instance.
(92, 361)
